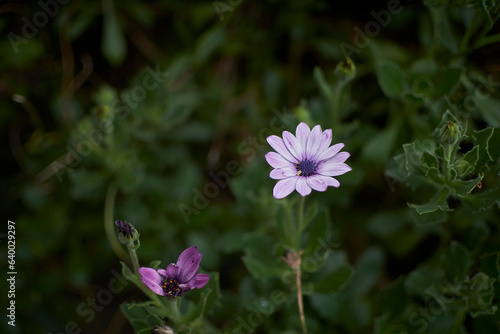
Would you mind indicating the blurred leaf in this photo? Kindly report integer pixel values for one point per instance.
(490, 8)
(368, 269)
(390, 79)
(489, 107)
(447, 80)
(476, 235)
(208, 43)
(456, 261)
(423, 277)
(479, 303)
(114, 46)
(261, 269)
(378, 150)
(323, 85)
(333, 275)
(490, 264)
(260, 259)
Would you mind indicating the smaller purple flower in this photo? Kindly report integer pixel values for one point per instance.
(305, 161)
(178, 277)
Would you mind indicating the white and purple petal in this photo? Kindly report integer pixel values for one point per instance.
(313, 142)
(302, 187)
(279, 146)
(326, 140)
(317, 182)
(285, 187)
(338, 158)
(330, 152)
(302, 133)
(333, 169)
(276, 160)
(282, 173)
(293, 145)
(152, 279)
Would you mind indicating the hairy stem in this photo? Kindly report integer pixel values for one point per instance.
(299, 298)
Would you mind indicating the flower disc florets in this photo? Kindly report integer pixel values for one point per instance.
(171, 288)
(306, 168)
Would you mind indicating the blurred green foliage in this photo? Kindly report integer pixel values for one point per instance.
(157, 113)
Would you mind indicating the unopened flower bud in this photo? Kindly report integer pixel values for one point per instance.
(127, 234)
(346, 70)
(450, 133)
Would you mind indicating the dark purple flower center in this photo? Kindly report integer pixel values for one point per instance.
(306, 168)
(171, 288)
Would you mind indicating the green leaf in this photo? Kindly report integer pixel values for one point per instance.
(127, 273)
(394, 298)
(438, 202)
(204, 299)
(476, 235)
(431, 218)
(368, 270)
(114, 47)
(429, 160)
(423, 277)
(467, 163)
(490, 8)
(482, 293)
(490, 264)
(208, 43)
(261, 269)
(378, 150)
(483, 200)
(335, 281)
(332, 276)
(390, 79)
(321, 82)
(140, 317)
(456, 262)
(463, 188)
(488, 142)
(490, 110)
(447, 80)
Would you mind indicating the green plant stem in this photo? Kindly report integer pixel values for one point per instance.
(289, 228)
(134, 259)
(109, 205)
(175, 306)
(335, 104)
(300, 220)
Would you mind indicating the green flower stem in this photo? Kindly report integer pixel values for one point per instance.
(175, 307)
(300, 220)
(109, 205)
(134, 259)
(289, 227)
(335, 104)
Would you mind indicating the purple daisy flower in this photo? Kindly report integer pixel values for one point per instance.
(178, 277)
(305, 161)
